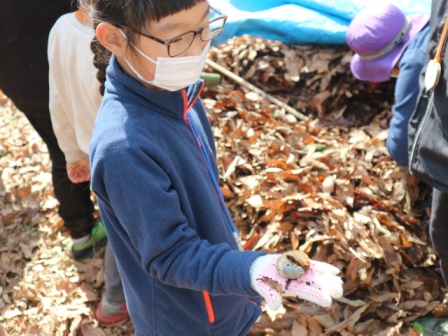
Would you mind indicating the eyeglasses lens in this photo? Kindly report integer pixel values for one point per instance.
(183, 42)
(212, 30)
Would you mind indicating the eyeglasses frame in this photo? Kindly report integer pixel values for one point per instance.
(196, 32)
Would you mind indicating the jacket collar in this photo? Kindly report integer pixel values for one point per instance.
(174, 104)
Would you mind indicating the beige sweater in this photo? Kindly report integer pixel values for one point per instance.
(74, 89)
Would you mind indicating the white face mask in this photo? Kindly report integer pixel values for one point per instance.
(173, 73)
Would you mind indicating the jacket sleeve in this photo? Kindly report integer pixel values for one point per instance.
(406, 94)
(151, 227)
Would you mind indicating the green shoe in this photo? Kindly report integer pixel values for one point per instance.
(96, 242)
(432, 326)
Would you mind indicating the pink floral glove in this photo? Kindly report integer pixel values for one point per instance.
(275, 276)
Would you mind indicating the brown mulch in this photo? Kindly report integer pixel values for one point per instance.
(325, 186)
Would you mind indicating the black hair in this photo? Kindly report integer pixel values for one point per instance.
(135, 14)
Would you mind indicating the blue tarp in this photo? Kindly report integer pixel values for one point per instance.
(299, 21)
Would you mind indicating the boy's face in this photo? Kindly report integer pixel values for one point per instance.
(167, 28)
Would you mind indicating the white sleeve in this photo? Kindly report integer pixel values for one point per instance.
(59, 96)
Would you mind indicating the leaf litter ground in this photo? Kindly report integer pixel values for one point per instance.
(325, 186)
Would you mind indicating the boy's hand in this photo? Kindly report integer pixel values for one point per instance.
(79, 171)
(317, 282)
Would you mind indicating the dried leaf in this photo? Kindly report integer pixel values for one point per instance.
(298, 329)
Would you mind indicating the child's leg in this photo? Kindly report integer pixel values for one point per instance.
(439, 229)
(114, 290)
(75, 205)
(112, 307)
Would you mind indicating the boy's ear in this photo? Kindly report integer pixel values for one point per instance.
(111, 38)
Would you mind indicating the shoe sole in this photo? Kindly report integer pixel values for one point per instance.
(109, 319)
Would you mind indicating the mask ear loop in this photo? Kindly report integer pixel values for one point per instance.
(139, 76)
(136, 48)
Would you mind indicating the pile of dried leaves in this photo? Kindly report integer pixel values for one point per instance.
(325, 186)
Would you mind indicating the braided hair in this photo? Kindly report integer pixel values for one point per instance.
(100, 61)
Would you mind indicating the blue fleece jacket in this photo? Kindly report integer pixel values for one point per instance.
(166, 225)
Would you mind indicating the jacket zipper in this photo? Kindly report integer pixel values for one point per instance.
(185, 97)
(206, 295)
(419, 131)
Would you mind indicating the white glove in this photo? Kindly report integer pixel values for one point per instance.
(307, 279)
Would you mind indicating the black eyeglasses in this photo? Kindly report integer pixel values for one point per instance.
(180, 43)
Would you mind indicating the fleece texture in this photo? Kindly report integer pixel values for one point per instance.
(170, 234)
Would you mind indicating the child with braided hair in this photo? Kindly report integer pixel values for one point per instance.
(24, 30)
(74, 101)
(155, 176)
